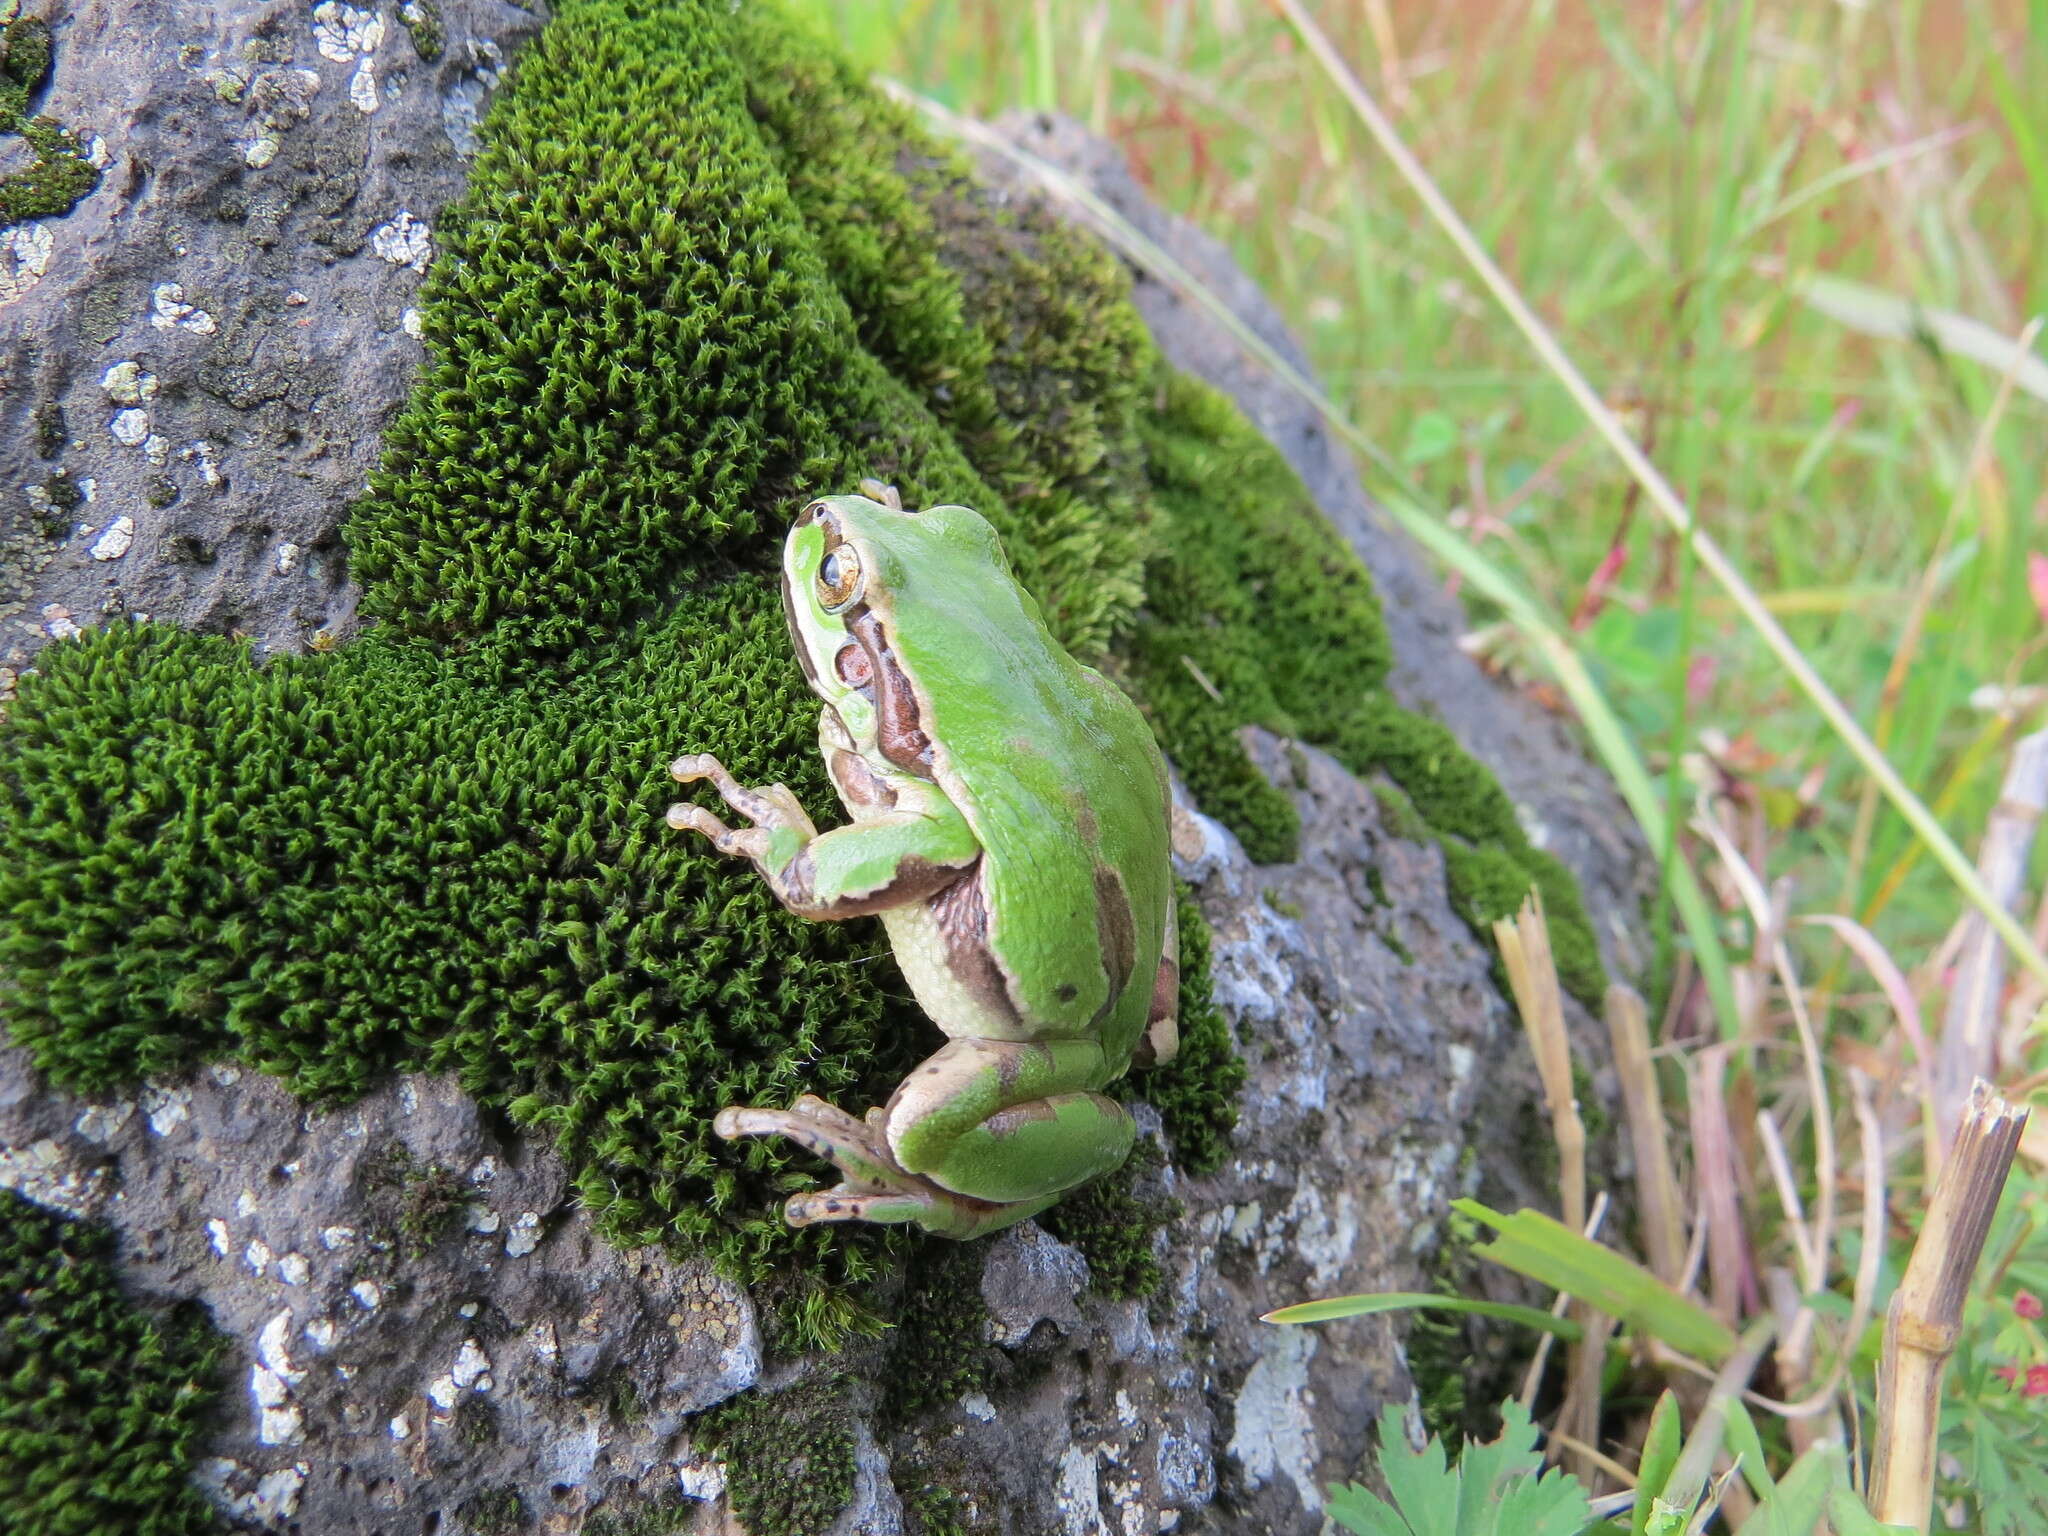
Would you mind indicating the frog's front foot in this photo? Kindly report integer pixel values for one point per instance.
(771, 808)
(872, 1186)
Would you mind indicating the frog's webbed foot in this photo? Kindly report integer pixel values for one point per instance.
(872, 1186)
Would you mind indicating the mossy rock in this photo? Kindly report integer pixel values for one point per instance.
(702, 272)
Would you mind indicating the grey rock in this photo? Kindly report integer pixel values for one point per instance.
(226, 324)
(1031, 1278)
(399, 1343)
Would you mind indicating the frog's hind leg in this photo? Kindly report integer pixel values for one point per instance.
(1008, 1121)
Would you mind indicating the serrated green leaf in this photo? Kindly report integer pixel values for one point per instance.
(1496, 1489)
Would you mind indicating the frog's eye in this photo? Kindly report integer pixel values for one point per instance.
(839, 582)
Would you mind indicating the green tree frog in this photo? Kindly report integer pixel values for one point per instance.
(1009, 826)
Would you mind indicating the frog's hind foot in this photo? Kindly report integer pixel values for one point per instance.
(872, 1187)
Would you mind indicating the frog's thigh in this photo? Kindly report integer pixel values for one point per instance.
(1007, 1120)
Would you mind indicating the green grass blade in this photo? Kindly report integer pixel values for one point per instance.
(1405, 1301)
(1547, 1251)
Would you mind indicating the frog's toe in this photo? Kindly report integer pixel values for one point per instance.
(692, 766)
(845, 1203)
(694, 818)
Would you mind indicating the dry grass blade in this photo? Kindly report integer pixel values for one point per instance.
(1927, 1311)
(1660, 1206)
(1969, 1034)
(1659, 493)
(1905, 1006)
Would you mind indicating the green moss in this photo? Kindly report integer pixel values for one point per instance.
(494, 1512)
(52, 431)
(102, 1404)
(1196, 1093)
(788, 1455)
(932, 1510)
(666, 1514)
(61, 175)
(940, 1351)
(422, 20)
(1115, 1223)
(1209, 656)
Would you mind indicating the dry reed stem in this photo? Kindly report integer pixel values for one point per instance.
(1714, 1172)
(1532, 975)
(1525, 953)
(1969, 1033)
(1926, 1313)
(1659, 1203)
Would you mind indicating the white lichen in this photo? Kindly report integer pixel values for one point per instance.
(44, 1173)
(404, 242)
(287, 558)
(127, 384)
(25, 251)
(293, 1269)
(368, 1294)
(362, 88)
(524, 1235)
(167, 1108)
(342, 32)
(266, 1501)
(1275, 1433)
(409, 322)
(170, 312)
(278, 1419)
(102, 1122)
(321, 1333)
(257, 1256)
(336, 1238)
(58, 623)
(114, 539)
(217, 1237)
(129, 428)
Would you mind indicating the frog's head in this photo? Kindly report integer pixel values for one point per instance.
(854, 572)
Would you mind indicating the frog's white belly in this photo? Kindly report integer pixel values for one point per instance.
(948, 997)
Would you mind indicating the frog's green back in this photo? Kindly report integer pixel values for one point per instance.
(1055, 769)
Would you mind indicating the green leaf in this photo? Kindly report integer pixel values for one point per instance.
(1795, 1505)
(1548, 1251)
(1497, 1489)
(1661, 1444)
(1739, 1434)
(1430, 436)
(1398, 1301)
(1851, 1517)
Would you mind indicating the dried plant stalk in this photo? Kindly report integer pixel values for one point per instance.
(1969, 1034)
(1927, 1312)
(1525, 951)
(1532, 974)
(1660, 1205)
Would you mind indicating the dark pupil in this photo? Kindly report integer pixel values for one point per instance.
(831, 571)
